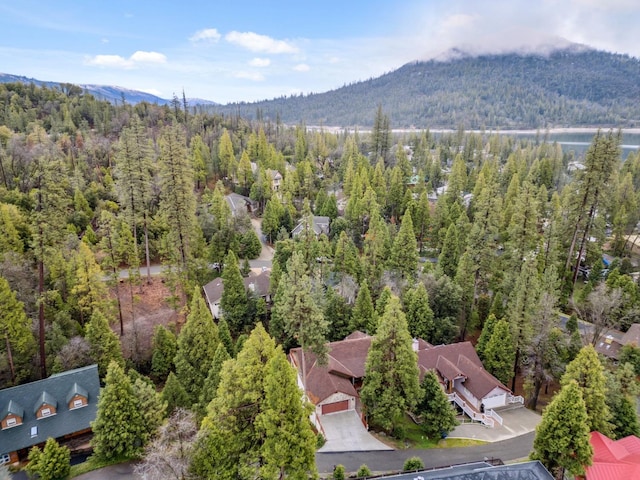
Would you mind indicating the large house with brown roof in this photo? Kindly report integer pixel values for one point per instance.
(334, 387)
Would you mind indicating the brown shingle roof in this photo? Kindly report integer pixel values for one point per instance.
(632, 336)
(259, 284)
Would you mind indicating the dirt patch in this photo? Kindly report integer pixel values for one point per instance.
(150, 308)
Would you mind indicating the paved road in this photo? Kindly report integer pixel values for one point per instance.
(380, 461)
(512, 449)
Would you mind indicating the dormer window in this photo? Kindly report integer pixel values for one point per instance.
(45, 406)
(11, 415)
(77, 397)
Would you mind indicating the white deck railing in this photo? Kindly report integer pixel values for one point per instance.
(484, 418)
(518, 399)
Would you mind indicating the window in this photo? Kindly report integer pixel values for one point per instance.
(77, 403)
(34, 432)
(45, 412)
(11, 421)
(5, 458)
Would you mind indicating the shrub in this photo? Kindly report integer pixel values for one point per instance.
(363, 471)
(413, 463)
(339, 473)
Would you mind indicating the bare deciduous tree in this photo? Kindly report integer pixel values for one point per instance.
(600, 309)
(168, 456)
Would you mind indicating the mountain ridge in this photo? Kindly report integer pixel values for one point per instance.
(110, 93)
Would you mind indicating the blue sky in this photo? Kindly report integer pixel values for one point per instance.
(245, 50)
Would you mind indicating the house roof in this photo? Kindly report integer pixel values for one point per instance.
(632, 336)
(53, 389)
(614, 459)
(239, 203)
(346, 362)
(319, 224)
(532, 470)
(460, 359)
(257, 284)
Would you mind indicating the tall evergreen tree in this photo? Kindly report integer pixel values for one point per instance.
(133, 174)
(212, 381)
(178, 201)
(18, 341)
(174, 394)
(118, 430)
(391, 383)
(404, 253)
(165, 345)
(230, 441)
(364, 316)
(289, 443)
(104, 344)
(499, 353)
(419, 314)
(50, 205)
(587, 371)
(234, 303)
(562, 437)
(436, 412)
(197, 343)
(53, 462)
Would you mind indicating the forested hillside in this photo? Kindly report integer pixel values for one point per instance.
(567, 88)
(442, 238)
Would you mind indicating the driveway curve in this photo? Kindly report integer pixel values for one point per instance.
(345, 433)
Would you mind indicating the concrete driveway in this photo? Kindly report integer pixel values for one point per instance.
(516, 422)
(345, 432)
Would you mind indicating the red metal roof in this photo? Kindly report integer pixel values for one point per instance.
(614, 459)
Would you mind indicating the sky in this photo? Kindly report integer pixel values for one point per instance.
(247, 50)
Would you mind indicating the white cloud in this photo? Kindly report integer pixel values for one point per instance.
(260, 43)
(254, 76)
(260, 62)
(148, 57)
(210, 35)
(302, 67)
(113, 61)
(117, 61)
(104, 40)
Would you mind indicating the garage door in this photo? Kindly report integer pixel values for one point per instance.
(335, 407)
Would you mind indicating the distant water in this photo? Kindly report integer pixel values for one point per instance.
(579, 142)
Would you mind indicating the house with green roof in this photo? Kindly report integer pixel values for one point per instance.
(61, 407)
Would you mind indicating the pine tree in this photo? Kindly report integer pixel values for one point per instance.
(562, 437)
(151, 405)
(449, 254)
(233, 303)
(50, 205)
(118, 430)
(178, 201)
(296, 306)
(133, 175)
(105, 345)
(174, 394)
(404, 253)
(229, 445)
(165, 345)
(15, 329)
(53, 462)
(485, 335)
(587, 371)
(419, 314)
(289, 445)
(364, 316)
(212, 381)
(436, 412)
(226, 155)
(225, 337)
(391, 383)
(499, 353)
(197, 343)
